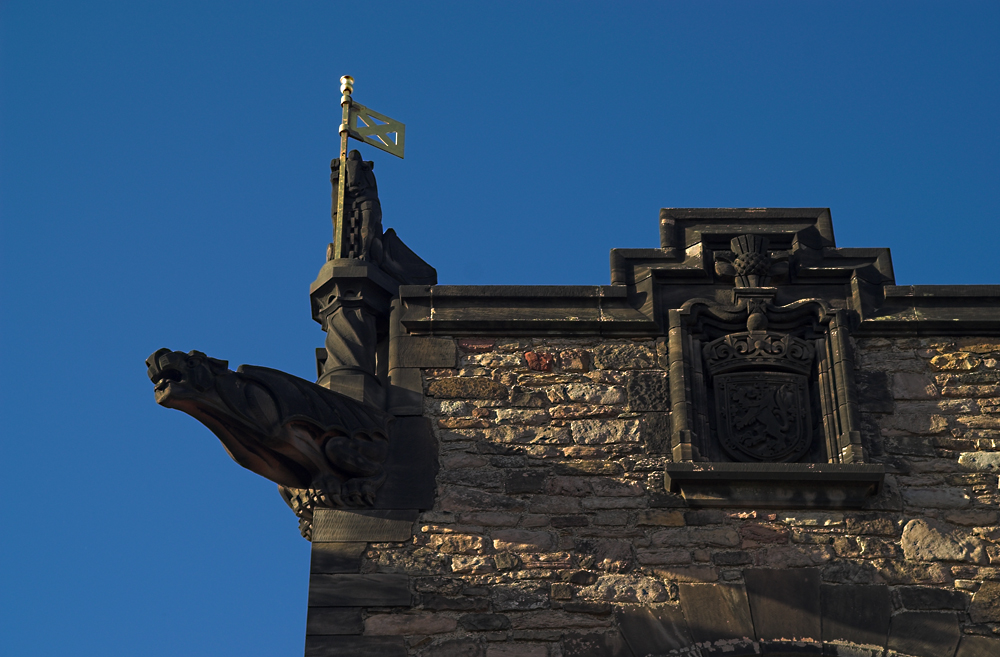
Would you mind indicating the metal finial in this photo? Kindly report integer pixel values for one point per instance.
(346, 87)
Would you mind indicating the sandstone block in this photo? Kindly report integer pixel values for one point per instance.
(813, 519)
(955, 361)
(624, 357)
(411, 623)
(457, 543)
(516, 650)
(936, 498)
(601, 432)
(455, 648)
(980, 461)
(552, 619)
(472, 565)
(519, 540)
(930, 540)
(626, 588)
(797, 556)
(695, 536)
(661, 518)
(574, 360)
(910, 385)
(753, 535)
(456, 498)
(591, 467)
(538, 361)
(648, 391)
(703, 574)
(459, 387)
(588, 393)
(985, 606)
(519, 596)
(663, 557)
(484, 622)
(913, 423)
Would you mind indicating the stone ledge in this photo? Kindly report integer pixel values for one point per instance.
(775, 485)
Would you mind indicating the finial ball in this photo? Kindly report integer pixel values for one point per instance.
(347, 85)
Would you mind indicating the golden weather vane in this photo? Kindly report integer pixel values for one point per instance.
(374, 129)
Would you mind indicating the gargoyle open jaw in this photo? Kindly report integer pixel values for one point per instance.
(175, 374)
(289, 430)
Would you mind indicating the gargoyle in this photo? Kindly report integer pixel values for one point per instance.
(286, 429)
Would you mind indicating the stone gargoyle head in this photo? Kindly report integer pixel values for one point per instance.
(289, 430)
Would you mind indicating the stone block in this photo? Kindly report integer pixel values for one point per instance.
(931, 598)
(414, 351)
(467, 387)
(603, 432)
(656, 430)
(375, 590)
(985, 606)
(648, 391)
(606, 644)
(520, 596)
(855, 613)
(661, 518)
(980, 461)
(531, 480)
(516, 650)
(936, 498)
(873, 391)
(978, 646)
(931, 540)
(484, 622)
(716, 612)
(457, 543)
(412, 623)
(355, 646)
(520, 540)
(653, 630)
(785, 604)
(405, 395)
(370, 526)
(924, 633)
(336, 557)
(549, 619)
(411, 466)
(626, 589)
(912, 386)
(467, 604)
(624, 357)
(334, 620)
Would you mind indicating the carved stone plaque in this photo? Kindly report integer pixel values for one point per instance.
(763, 416)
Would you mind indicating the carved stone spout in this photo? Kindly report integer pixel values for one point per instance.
(297, 434)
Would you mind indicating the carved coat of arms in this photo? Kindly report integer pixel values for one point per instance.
(761, 390)
(763, 415)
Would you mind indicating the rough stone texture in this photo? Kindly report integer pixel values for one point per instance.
(986, 604)
(929, 540)
(552, 534)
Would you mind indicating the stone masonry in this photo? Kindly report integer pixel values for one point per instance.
(551, 522)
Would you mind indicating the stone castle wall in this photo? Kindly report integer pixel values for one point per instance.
(552, 534)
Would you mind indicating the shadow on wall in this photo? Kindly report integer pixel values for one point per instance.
(791, 612)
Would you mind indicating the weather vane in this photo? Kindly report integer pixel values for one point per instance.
(354, 235)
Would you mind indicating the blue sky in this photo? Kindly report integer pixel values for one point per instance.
(164, 183)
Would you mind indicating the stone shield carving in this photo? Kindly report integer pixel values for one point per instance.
(763, 416)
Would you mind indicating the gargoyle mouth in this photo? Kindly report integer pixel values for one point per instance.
(165, 368)
(164, 378)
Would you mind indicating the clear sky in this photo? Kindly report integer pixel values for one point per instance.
(164, 183)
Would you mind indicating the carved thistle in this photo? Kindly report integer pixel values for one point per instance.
(315, 443)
